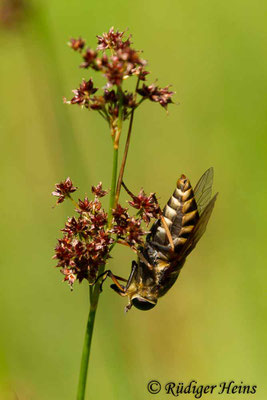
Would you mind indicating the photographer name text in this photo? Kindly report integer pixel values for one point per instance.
(198, 390)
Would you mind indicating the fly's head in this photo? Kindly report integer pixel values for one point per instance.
(142, 303)
(139, 290)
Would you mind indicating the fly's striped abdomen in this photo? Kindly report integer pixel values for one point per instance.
(186, 215)
(180, 214)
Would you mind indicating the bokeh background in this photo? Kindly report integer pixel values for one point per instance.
(211, 326)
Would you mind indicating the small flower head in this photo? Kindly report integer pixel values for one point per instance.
(98, 191)
(85, 205)
(134, 233)
(142, 74)
(163, 96)
(129, 101)
(112, 40)
(147, 205)
(69, 276)
(77, 44)
(114, 72)
(127, 228)
(76, 227)
(116, 60)
(97, 103)
(89, 59)
(63, 190)
(82, 95)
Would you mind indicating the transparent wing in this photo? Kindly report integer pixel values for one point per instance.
(198, 230)
(202, 191)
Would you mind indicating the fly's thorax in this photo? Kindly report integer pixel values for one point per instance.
(143, 283)
(150, 288)
(167, 279)
(141, 297)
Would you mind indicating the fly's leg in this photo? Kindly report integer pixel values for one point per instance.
(127, 190)
(115, 279)
(140, 255)
(134, 266)
(160, 246)
(169, 236)
(117, 289)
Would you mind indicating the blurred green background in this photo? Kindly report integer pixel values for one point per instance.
(211, 326)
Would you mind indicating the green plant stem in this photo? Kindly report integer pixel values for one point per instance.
(113, 183)
(118, 188)
(87, 345)
(95, 291)
(115, 157)
(127, 144)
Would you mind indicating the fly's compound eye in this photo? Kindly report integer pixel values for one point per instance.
(143, 304)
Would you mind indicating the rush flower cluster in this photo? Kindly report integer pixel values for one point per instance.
(88, 238)
(127, 229)
(85, 244)
(115, 58)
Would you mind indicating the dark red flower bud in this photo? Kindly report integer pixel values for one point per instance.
(98, 191)
(69, 276)
(77, 44)
(63, 190)
(134, 232)
(89, 57)
(97, 103)
(65, 252)
(115, 71)
(104, 60)
(147, 205)
(88, 87)
(112, 40)
(129, 100)
(121, 215)
(82, 95)
(154, 93)
(131, 59)
(85, 206)
(110, 96)
(98, 220)
(96, 205)
(142, 75)
(75, 227)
